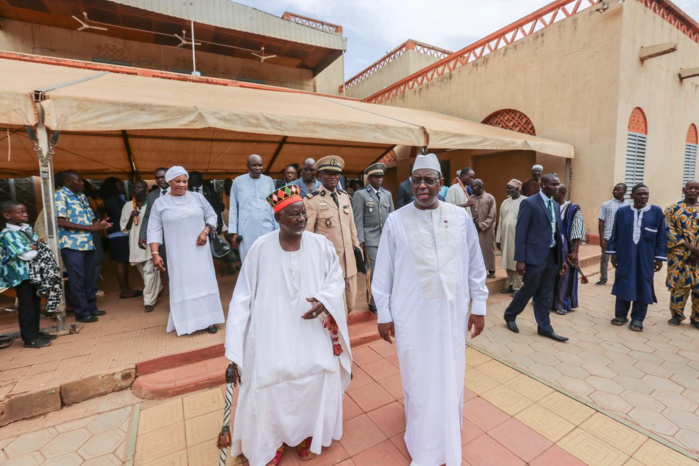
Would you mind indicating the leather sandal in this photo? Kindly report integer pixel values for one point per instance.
(618, 321)
(636, 326)
(278, 456)
(304, 450)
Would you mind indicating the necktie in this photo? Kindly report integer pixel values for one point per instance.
(378, 195)
(334, 196)
(553, 221)
(164, 192)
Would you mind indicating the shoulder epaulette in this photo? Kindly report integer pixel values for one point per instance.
(342, 191)
(310, 195)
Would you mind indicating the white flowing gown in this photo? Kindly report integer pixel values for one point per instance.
(292, 383)
(429, 269)
(194, 298)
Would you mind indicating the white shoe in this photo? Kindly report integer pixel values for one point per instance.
(100, 293)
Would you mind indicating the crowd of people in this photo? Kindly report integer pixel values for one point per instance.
(303, 242)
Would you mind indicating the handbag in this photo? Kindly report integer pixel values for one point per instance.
(219, 247)
(359, 258)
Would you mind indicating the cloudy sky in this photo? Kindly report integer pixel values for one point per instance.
(374, 27)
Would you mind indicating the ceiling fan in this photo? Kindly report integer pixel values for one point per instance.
(262, 55)
(85, 24)
(183, 39)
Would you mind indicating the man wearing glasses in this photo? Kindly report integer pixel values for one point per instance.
(330, 214)
(429, 287)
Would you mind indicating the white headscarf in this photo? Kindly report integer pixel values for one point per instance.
(174, 172)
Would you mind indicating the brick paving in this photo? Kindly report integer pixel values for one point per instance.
(650, 379)
(509, 419)
(646, 380)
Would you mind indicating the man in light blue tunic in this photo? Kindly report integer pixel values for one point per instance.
(250, 216)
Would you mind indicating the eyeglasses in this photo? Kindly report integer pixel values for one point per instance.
(427, 181)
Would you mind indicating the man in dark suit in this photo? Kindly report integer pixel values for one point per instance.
(539, 256)
(163, 188)
(405, 193)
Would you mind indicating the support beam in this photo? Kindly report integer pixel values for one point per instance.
(129, 154)
(276, 154)
(686, 73)
(45, 153)
(658, 50)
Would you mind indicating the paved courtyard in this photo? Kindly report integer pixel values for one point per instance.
(515, 421)
(650, 379)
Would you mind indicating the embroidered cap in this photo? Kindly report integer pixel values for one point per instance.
(284, 196)
(330, 163)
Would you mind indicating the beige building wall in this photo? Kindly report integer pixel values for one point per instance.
(16, 36)
(331, 78)
(670, 105)
(405, 65)
(565, 78)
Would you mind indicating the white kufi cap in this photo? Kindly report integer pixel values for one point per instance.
(429, 161)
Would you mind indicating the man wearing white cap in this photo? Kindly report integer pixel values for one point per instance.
(533, 185)
(429, 271)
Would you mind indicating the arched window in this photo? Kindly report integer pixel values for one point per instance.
(636, 148)
(514, 120)
(690, 155)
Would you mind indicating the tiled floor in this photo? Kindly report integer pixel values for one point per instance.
(101, 439)
(509, 418)
(650, 378)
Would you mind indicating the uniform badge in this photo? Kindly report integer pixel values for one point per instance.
(328, 223)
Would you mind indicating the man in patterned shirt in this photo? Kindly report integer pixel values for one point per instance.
(682, 221)
(76, 221)
(606, 225)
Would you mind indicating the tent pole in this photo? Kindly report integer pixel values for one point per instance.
(45, 155)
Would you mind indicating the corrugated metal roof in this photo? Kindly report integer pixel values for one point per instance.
(230, 15)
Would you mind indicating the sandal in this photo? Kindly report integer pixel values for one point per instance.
(636, 326)
(5, 341)
(304, 450)
(278, 457)
(618, 321)
(561, 312)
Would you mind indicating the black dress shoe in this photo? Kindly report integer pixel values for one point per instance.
(87, 320)
(46, 336)
(512, 326)
(98, 313)
(38, 343)
(552, 335)
(372, 309)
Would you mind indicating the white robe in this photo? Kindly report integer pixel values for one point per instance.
(507, 224)
(429, 269)
(195, 302)
(292, 383)
(457, 195)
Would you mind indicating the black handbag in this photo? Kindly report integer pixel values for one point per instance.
(359, 258)
(219, 247)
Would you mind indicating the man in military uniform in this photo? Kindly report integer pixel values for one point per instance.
(371, 206)
(330, 214)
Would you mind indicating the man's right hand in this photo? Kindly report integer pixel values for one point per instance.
(142, 243)
(101, 225)
(615, 262)
(387, 331)
(521, 268)
(603, 244)
(234, 243)
(158, 262)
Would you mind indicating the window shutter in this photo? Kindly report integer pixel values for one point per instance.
(690, 163)
(635, 160)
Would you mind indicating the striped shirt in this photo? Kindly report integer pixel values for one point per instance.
(577, 228)
(607, 213)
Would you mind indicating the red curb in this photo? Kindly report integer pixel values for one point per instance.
(180, 359)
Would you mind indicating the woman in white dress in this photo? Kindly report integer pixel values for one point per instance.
(185, 219)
